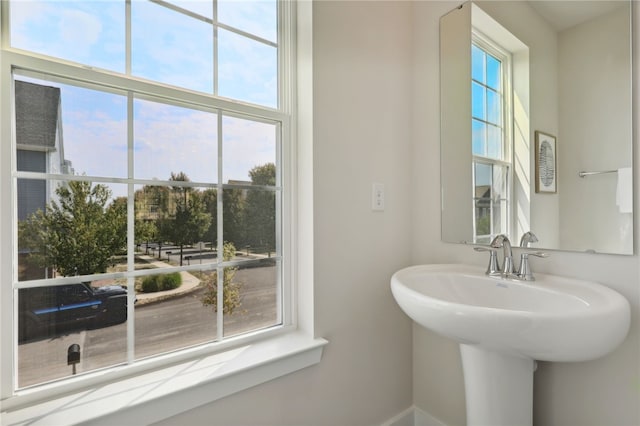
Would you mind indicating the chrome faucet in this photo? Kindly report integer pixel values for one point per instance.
(502, 241)
(524, 272)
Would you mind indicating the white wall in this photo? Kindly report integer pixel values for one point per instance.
(362, 134)
(600, 392)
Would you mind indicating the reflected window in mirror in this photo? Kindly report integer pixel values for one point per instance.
(490, 139)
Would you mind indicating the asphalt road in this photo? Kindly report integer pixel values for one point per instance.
(160, 327)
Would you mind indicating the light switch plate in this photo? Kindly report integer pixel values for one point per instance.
(377, 197)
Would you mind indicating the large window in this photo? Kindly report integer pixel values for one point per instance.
(149, 180)
(491, 141)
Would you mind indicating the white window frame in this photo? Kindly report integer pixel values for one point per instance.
(208, 372)
(491, 47)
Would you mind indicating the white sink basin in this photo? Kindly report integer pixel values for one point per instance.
(550, 319)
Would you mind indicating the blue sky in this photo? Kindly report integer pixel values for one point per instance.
(166, 47)
(486, 104)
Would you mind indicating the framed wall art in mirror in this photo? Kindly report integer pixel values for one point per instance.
(545, 156)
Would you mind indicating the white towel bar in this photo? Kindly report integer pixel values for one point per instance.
(583, 174)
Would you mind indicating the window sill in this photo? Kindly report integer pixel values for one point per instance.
(156, 395)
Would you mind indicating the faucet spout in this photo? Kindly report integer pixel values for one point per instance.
(503, 241)
(527, 238)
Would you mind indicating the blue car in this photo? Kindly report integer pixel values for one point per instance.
(46, 311)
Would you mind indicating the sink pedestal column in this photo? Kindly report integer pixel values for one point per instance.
(498, 387)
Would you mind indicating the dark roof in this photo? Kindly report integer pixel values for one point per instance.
(37, 109)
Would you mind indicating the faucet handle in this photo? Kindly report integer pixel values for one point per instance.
(493, 269)
(537, 253)
(524, 273)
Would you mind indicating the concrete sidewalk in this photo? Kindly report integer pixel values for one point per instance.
(189, 284)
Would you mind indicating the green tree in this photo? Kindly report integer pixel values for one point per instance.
(190, 221)
(118, 210)
(144, 230)
(151, 208)
(230, 288)
(210, 200)
(232, 213)
(263, 175)
(148, 202)
(78, 234)
(260, 211)
(180, 192)
(164, 231)
(483, 225)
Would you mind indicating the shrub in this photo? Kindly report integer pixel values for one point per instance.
(150, 284)
(153, 283)
(170, 281)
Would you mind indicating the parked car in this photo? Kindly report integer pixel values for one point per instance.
(45, 311)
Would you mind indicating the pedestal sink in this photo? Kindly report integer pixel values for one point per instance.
(503, 325)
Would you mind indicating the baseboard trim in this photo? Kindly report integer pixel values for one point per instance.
(405, 418)
(422, 418)
(413, 416)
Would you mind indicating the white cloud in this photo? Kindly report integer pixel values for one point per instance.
(246, 144)
(80, 28)
(96, 144)
(171, 48)
(174, 139)
(88, 32)
(247, 69)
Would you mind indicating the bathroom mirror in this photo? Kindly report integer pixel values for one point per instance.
(536, 124)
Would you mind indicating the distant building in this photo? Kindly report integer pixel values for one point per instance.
(39, 144)
(482, 200)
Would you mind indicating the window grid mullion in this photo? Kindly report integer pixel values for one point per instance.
(278, 224)
(214, 33)
(220, 230)
(131, 288)
(216, 61)
(127, 38)
(33, 64)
